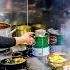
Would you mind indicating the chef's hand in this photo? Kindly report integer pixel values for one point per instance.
(25, 39)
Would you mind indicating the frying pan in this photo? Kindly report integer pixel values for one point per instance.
(12, 66)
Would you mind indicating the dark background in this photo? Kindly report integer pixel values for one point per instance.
(51, 12)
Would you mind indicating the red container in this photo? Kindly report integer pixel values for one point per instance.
(52, 39)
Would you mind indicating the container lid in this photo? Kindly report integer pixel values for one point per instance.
(53, 31)
(39, 26)
(40, 32)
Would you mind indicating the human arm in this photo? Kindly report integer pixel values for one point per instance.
(6, 42)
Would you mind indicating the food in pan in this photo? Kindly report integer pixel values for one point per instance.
(16, 60)
(57, 59)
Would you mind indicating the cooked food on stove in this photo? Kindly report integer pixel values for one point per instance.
(57, 59)
(19, 60)
(15, 60)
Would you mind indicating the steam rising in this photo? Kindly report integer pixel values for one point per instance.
(65, 31)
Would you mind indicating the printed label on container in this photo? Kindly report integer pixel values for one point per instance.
(40, 51)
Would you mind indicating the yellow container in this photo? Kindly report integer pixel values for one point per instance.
(22, 29)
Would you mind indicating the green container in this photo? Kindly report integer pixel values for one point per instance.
(59, 39)
(41, 42)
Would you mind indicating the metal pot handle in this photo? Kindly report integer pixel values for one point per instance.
(11, 32)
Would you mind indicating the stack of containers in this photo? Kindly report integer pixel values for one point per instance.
(41, 47)
(55, 41)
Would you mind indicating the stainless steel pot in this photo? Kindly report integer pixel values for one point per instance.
(4, 29)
